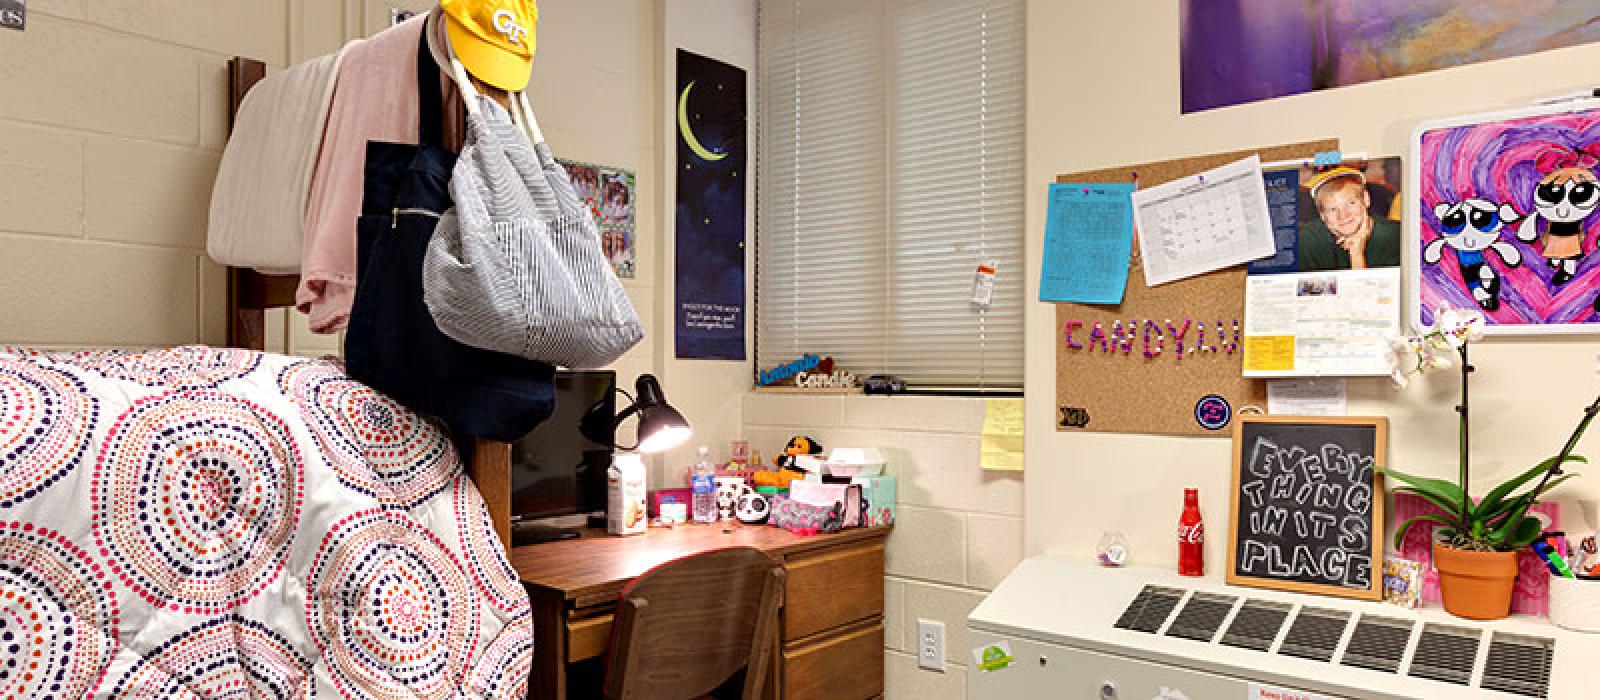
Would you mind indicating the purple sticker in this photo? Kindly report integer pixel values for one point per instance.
(1213, 412)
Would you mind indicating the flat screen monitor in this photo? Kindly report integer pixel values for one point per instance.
(557, 470)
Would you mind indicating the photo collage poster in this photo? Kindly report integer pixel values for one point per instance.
(610, 194)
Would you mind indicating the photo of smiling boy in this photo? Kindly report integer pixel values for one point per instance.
(1346, 233)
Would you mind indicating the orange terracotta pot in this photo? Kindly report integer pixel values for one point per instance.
(1475, 585)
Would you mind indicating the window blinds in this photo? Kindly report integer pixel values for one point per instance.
(891, 165)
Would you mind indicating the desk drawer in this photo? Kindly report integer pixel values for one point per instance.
(832, 588)
(588, 638)
(843, 666)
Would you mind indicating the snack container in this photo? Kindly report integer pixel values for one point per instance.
(855, 461)
(626, 512)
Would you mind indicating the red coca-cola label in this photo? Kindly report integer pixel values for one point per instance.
(1191, 534)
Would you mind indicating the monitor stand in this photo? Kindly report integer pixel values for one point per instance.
(563, 527)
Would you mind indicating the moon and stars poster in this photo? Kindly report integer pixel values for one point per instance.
(711, 112)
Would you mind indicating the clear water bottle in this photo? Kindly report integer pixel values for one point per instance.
(703, 483)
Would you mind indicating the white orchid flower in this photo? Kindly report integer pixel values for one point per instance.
(1437, 348)
(1457, 327)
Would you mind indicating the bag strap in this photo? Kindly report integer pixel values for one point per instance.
(521, 110)
(430, 103)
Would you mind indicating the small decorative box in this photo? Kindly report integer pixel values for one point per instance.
(877, 494)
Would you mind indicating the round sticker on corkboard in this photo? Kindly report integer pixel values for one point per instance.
(1213, 412)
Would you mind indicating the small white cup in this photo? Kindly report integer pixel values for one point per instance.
(1575, 604)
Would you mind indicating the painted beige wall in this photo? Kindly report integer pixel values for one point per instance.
(1103, 90)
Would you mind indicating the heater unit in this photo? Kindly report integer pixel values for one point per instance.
(1076, 630)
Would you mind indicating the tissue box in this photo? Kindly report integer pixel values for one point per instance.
(878, 492)
(816, 493)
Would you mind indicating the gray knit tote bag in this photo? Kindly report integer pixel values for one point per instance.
(516, 266)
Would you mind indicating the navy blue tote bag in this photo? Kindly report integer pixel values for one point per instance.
(392, 343)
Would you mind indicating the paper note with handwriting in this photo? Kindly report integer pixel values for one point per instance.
(1002, 435)
(1088, 236)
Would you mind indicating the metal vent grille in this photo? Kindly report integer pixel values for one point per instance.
(1446, 653)
(1518, 664)
(1256, 625)
(1315, 633)
(1378, 643)
(1149, 609)
(1202, 616)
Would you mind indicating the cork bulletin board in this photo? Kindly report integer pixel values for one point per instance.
(1125, 392)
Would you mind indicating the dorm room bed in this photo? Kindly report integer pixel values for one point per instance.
(208, 522)
(205, 522)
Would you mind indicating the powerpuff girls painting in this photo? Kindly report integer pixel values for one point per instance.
(1509, 219)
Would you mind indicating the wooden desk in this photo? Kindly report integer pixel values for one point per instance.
(831, 625)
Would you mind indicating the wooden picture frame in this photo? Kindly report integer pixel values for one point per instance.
(1310, 487)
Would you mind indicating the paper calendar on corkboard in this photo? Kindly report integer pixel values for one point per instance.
(1107, 387)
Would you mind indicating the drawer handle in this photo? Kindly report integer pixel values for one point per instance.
(1108, 690)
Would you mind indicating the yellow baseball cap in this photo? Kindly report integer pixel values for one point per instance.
(1323, 178)
(494, 39)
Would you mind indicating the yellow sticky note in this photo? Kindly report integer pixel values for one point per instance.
(1268, 353)
(1002, 435)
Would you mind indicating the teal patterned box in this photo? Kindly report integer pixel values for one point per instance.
(877, 492)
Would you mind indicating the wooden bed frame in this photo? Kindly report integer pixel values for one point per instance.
(251, 293)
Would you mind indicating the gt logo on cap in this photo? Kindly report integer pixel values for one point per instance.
(505, 22)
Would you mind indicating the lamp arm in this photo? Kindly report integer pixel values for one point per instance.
(630, 410)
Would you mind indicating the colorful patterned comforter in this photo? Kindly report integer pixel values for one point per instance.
(207, 523)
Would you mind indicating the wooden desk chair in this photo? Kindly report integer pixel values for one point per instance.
(683, 628)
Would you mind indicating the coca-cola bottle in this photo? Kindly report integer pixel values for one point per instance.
(1191, 536)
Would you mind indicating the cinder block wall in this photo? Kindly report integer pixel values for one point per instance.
(113, 115)
(112, 121)
(958, 529)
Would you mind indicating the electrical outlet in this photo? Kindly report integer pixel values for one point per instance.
(930, 644)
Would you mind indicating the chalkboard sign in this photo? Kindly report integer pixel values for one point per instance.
(1307, 505)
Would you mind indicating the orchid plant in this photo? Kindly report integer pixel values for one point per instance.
(1498, 522)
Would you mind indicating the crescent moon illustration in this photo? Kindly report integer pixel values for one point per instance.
(688, 134)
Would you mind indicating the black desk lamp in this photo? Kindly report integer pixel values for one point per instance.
(661, 427)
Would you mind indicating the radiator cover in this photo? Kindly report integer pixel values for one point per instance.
(1079, 630)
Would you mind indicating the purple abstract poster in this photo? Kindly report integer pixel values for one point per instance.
(1238, 51)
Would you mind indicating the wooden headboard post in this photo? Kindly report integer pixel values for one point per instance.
(251, 293)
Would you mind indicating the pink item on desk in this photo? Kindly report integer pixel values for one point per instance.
(1532, 594)
(816, 493)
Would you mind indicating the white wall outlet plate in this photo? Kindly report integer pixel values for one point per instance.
(930, 644)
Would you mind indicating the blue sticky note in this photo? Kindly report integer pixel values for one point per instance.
(1088, 237)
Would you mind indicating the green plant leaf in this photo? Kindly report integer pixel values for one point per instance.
(1505, 508)
(1512, 528)
(1525, 533)
(1450, 508)
(1400, 532)
(1497, 496)
(1439, 491)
